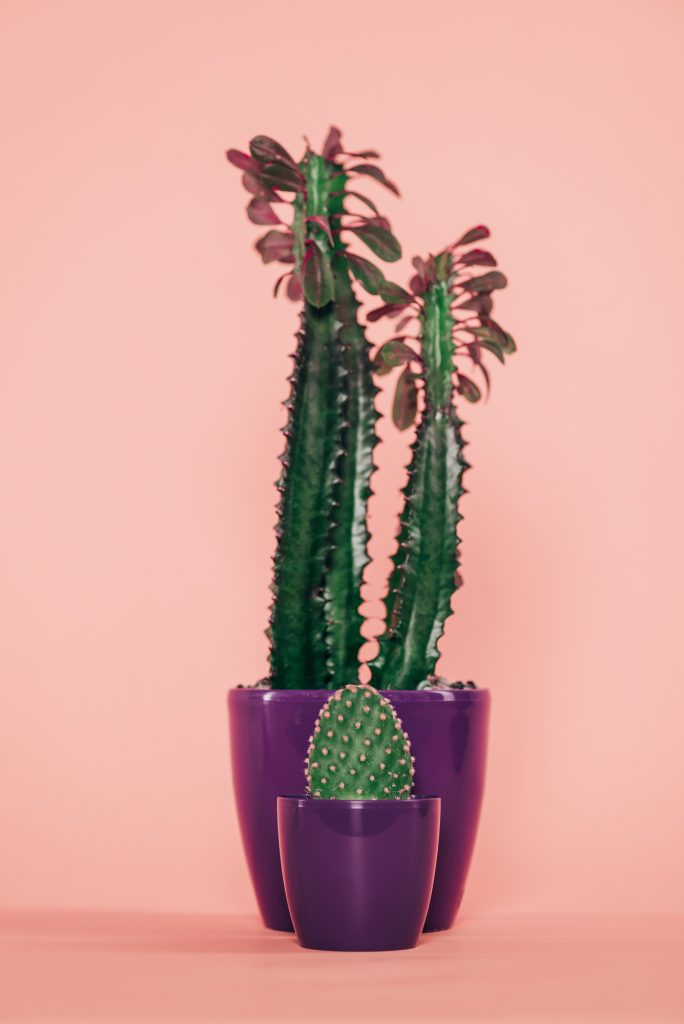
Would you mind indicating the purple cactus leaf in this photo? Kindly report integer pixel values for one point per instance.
(294, 290)
(253, 185)
(276, 287)
(366, 273)
(276, 247)
(390, 310)
(490, 346)
(380, 241)
(380, 367)
(405, 320)
(371, 205)
(317, 276)
(509, 346)
(391, 292)
(485, 282)
(260, 212)
(481, 304)
(377, 222)
(474, 235)
(396, 352)
(280, 176)
(468, 388)
(366, 154)
(417, 285)
(477, 257)
(405, 403)
(267, 150)
(324, 225)
(332, 146)
(476, 357)
(441, 265)
(375, 172)
(243, 161)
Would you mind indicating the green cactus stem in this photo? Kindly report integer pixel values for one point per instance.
(358, 749)
(298, 628)
(322, 535)
(453, 310)
(349, 536)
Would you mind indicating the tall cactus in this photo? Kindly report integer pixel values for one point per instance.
(330, 434)
(453, 308)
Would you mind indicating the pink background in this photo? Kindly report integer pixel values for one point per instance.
(143, 362)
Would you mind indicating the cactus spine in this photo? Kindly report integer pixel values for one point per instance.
(358, 750)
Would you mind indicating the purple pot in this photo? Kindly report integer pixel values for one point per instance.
(358, 873)
(269, 733)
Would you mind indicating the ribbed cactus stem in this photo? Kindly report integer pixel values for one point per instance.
(424, 574)
(313, 439)
(322, 537)
(349, 550)
(358, 749)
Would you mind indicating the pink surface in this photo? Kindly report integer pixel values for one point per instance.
(173, 967)
(142, 366)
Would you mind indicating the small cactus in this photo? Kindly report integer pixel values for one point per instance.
(358, 750)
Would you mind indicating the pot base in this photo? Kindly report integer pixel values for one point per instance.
(358, 874)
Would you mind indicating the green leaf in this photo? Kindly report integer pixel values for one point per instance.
(380, 241)
(405, 401)
(317, 277)
(366, 273)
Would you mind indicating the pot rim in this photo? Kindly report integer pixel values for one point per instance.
(321, 696)
(301, 800)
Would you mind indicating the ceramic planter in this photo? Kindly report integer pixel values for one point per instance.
(358, 874)
(269, 733)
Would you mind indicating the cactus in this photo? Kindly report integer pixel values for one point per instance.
(358, 750)
(453, 307)
(322, 534)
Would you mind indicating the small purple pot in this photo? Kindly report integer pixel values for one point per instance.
(269, 736)
(358, 873)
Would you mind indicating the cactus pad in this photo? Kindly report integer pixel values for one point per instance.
(358, 750)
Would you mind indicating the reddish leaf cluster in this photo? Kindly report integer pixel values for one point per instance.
(475, 332)
(272, 176)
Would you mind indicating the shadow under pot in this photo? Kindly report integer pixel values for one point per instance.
(358, 874)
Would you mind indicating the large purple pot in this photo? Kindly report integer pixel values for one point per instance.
(269, 737)
(358, 873)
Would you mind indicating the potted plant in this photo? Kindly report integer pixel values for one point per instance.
(358, 852)
(441, 321)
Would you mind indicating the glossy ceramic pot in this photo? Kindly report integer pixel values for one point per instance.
(358, 874)
(269, 734)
